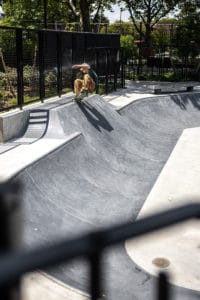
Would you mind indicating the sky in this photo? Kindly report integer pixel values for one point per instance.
(113, 16)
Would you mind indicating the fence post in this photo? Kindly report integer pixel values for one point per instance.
(122, 67)
(41, 65)
(107, 69)
(95, 259)
(73, 60)
(97, 67)
(19, 54)
(59, 63)
(10, 209)
(163, 287)
(115, 70)
(95, 263)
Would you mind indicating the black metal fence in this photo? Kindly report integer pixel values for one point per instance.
(163, 63)
(14, 264)
(36, 64)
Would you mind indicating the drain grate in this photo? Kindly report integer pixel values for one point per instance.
(161, 262)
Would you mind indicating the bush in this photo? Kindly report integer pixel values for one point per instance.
(30, 75)
(130, 48)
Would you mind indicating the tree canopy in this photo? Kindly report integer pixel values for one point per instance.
(30, 13)
(89, 11)
(149, 13)
(187, 29)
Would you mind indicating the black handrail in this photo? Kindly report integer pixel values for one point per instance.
(13, 266)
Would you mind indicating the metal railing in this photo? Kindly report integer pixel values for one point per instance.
(14, 264)
(36, 64)
(162, 63)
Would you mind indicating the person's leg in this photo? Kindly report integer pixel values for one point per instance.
(78, 84)
(88, 83)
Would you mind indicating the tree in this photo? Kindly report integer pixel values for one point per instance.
(149, 13)
(89, 11)
(30, 13)
(188, 27)
(130, 48)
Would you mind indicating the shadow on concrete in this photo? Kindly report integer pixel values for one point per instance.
(185, 100)
(95, 117)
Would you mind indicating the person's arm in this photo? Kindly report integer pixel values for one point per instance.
(76, 66)
(81, 66)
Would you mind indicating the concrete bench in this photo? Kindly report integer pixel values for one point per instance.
(190, 88)
(159, 90)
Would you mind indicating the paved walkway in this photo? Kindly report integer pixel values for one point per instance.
(143, 89)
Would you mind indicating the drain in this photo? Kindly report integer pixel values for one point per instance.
(161, 262)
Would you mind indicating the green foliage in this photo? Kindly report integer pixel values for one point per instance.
(148, 13)
(119, 27)
(187, 37)
(102, 88)
(27, 100)
(24, 13)
(3, 81)
(31, 75)
(8, 45)
(4, 94)
(70, 26)
(50, 78)
(161, 36)
(168, 76)
(130, 48)
(30, 13)
(8, 42)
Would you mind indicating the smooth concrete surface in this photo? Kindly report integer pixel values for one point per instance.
(102, 176)
(12, 162)
(177, 184)
(39, 285)
(12, 125)
(143, 89)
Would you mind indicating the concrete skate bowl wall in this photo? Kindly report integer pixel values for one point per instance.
(102, 177)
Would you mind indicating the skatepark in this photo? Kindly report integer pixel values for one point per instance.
(107, 160)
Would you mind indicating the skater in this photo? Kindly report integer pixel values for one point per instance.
(87, 81)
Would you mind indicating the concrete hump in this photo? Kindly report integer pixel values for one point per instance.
(102, 177)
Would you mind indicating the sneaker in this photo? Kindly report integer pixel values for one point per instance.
(75, 99)
(80, 96)
(84, 93)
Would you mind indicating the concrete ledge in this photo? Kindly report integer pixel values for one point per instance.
(12, 162)
(174, 249)
(13, 125)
